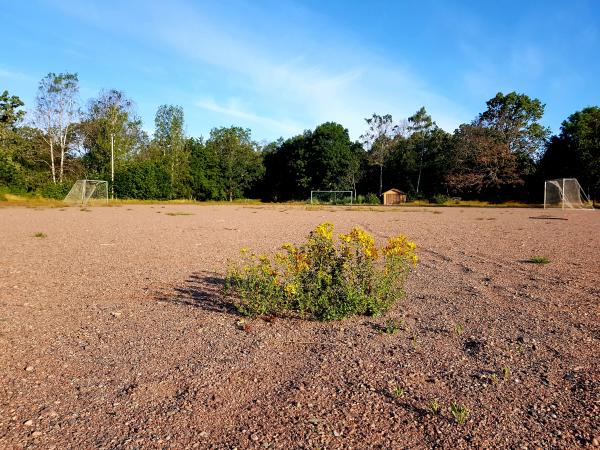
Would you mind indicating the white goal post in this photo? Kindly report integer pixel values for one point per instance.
(332, 197)
(85, 192)
(565, 193)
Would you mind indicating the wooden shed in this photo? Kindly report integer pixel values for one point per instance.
(394, 197)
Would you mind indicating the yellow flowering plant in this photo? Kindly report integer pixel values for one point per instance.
(324, 278)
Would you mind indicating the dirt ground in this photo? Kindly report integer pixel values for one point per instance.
(113, 333)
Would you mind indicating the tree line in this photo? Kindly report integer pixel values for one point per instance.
(504, 153)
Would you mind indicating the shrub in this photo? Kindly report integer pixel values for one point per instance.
(57, 191)
(439, 199)
(372, 199)
(324, 278)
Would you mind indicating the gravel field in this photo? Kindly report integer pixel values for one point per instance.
(113, 333)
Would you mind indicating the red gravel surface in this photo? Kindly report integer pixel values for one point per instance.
(113, 333)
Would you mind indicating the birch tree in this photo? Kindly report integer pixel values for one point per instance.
(56, 112)
(379, 141)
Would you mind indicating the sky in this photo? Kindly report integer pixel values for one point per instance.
(279, 67)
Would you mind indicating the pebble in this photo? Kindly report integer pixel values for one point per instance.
(595, 442)
(254, 437)
(28, 423)
(36, 433)
(28, 368)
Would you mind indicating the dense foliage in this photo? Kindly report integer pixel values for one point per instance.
(503, 154)
(323, 278)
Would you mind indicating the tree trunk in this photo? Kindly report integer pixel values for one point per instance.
(52, 166)
(380, 180)
(62, 162)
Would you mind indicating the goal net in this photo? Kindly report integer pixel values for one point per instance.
(88, 192)
(331, 197)
(565, 193)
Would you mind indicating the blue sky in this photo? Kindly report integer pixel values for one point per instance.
(279, 67)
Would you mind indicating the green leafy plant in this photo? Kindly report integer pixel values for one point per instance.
(398, 391)
(324, 278)
(390, 327)
(459, 329)
(439, 199)
(494, 378)
(505, 372)
(434, 406)
(459, 412)
(539, 260)
(40, 235)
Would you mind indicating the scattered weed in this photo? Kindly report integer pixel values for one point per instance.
(539, 260)
(494, 378)
(459, 329)
(506, 372)
(434, 406)
(398, 391)
(459, 412)
(85, 210)
(40, 235)
(178, 214)
(390, 327)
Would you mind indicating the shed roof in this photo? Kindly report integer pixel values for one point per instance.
(395, 191)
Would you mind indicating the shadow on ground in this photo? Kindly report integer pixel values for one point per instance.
(202, 290)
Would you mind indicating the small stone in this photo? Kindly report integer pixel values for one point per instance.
(203, 434)
(36, 433)
(254, 437)
(336, 433)
(116, 313)
(29, 369)
(28, 423)
(596, 442)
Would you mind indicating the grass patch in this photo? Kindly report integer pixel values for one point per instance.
(538, 260)
(178, 214)
(459, 412)
(40, 235)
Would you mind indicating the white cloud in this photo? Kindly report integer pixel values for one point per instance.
(234, 109)
(296, 73)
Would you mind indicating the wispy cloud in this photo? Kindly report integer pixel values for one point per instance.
(297, 76)
(235, 110)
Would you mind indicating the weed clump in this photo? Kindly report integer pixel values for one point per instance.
(539, 260)
(324, 278)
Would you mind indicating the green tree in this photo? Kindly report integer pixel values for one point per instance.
(10, 112)
(482, 164)
(56, 112)
(379, 141)
(575, 152)
(240, 165)
(112, 133)
(205, 178)
(421, 125)
(333, 158)
(515, 117)
(170, 136)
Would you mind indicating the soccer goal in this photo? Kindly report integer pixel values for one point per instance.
(331, 197)
(565, 193)
(86, 192)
